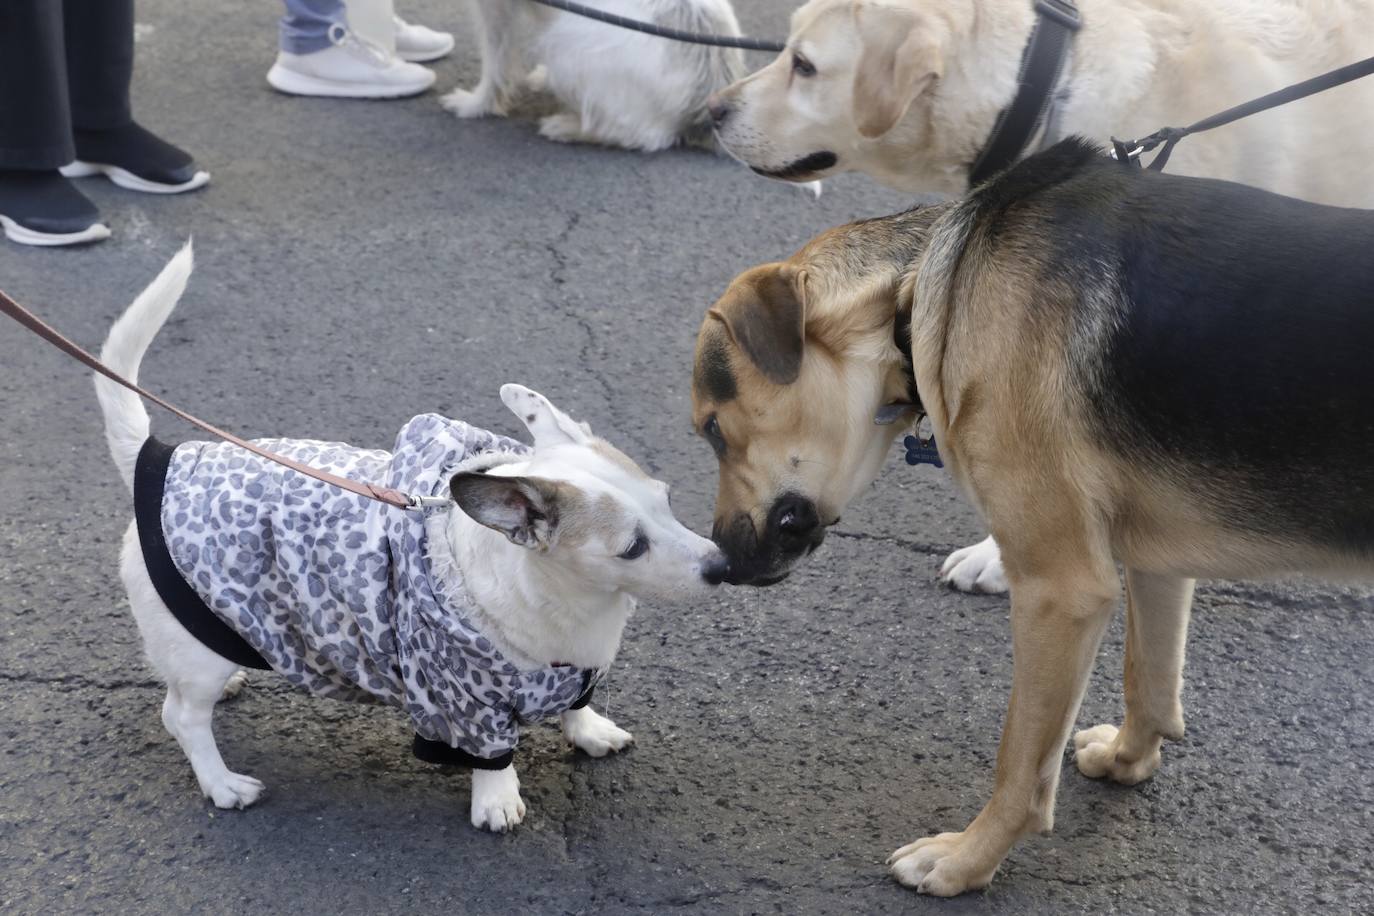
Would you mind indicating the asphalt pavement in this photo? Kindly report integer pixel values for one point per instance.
(361, 262)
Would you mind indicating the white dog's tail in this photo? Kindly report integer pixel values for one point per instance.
(126, 419)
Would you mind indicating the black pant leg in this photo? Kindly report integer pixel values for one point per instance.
(100, 61)
(35, 119)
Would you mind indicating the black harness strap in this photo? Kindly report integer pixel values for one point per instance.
(1042, 63)
(1130, 150)
(150, 479)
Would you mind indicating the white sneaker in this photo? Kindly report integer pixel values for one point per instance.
(353, 69)
(417, 43)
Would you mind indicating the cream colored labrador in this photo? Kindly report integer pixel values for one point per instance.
(908, 91)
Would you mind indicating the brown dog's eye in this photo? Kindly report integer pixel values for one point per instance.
(802, 67)
(711, 430)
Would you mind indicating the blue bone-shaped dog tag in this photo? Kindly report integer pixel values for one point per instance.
(922, 451)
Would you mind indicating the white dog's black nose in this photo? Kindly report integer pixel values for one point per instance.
(715, 568)
(718, 110)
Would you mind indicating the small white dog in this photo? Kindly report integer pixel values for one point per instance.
(474, 619)
(616, 87)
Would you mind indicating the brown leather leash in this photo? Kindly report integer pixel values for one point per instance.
(382, 494)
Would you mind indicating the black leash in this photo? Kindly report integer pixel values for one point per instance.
(1130, 150)
(648, 28)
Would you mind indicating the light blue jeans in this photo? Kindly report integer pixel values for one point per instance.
(305, 27)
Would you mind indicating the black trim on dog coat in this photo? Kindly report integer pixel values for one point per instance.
(150, 479)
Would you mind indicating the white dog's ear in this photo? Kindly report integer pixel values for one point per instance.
(900, 56)
(524, 509)
(546, 423)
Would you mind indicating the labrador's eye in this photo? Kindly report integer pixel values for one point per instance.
(637, 549)
(802, 67)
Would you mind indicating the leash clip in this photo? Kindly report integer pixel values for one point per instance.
(1123, 152)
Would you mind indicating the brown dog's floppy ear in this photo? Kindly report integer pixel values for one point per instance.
(524, 509)
(764, 312)
(899, 57)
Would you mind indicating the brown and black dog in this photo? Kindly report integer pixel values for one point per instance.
(1119, 366)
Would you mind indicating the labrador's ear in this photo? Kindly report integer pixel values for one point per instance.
(546, 423)
(765, 314)
(525, 509)
(900, 56)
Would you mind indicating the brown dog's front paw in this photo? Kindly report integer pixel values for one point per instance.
(1101, 752)
(945, 865)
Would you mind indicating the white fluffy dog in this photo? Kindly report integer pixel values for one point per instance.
(615, 86)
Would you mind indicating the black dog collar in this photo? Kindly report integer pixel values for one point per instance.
(1042, 63)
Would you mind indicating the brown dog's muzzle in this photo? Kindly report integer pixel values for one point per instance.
(791, 531)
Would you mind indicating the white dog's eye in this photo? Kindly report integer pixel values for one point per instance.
(637, 549)
(801, 66)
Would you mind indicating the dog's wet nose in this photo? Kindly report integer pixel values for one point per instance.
(797, 522)
(715, 568)
(718, 110)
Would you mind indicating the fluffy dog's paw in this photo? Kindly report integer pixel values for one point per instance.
(234, 790)
(234, 686)
(977, 568)
(593, 733)
(943, 865)
(562, 128)
(1099, 752)
(465, 104)
(496, 802)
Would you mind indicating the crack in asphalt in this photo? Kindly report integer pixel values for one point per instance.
(589, 356)
(76, 681)
(913, 546)
(1277, 594)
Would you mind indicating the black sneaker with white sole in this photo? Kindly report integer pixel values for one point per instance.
(43, 208)
(135, 158)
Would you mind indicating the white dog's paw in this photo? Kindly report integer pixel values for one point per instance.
(233, 790)
(496, 802)
(467, 104)
(564, 127)
(977, 568)
(594, 734)
(1098, 753)
(234, 686)
(945, 865)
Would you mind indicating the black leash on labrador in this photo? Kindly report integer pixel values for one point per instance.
(648, 28)
(1128, 151)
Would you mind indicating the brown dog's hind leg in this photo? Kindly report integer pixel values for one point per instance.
(1057, 624)
(1157, 610)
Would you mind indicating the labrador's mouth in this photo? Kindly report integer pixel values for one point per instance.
(802, 169)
